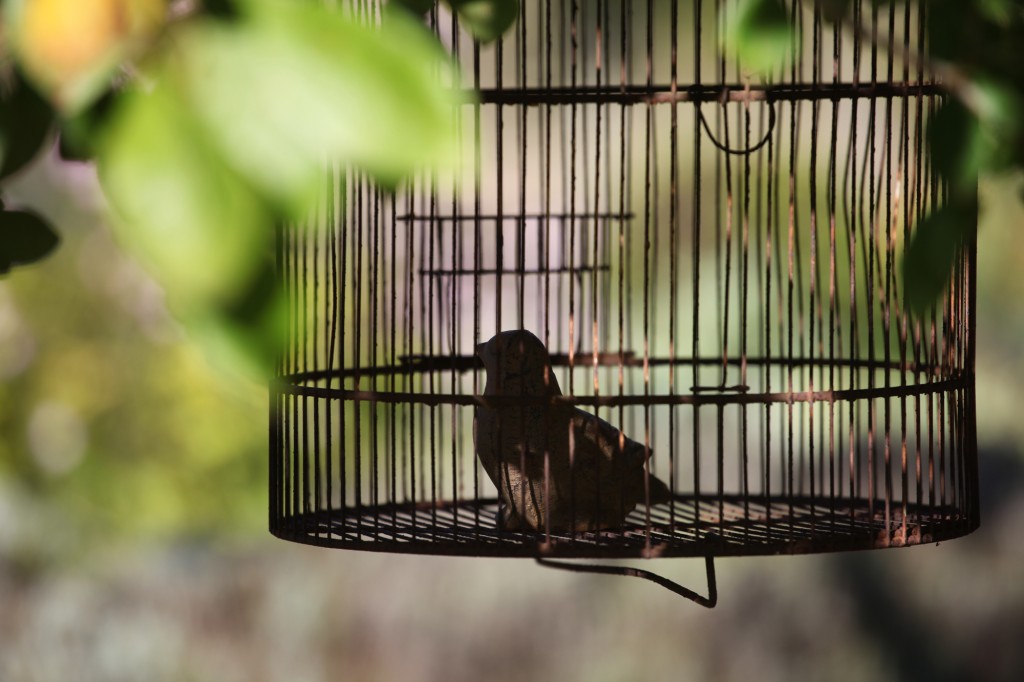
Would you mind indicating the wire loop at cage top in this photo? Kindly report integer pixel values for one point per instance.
(711, 261)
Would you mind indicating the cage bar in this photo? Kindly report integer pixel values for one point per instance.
(711, 258)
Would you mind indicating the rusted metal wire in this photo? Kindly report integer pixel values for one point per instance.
(723, 93)
(740, 314)
(709, 562)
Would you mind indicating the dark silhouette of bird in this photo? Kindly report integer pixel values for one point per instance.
(556, 467)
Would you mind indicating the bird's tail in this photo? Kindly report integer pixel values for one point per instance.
(660, 492)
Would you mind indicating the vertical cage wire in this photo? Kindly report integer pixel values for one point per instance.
(711, 258)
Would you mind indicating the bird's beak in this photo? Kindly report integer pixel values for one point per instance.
(480, 349)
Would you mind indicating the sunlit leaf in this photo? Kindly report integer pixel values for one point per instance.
(487, 20)
(760, 33)
(24, 238)
(928, 260)
(181, 209)
(292, 85)
(25, 122)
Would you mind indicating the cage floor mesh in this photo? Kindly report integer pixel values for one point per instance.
(722, 526)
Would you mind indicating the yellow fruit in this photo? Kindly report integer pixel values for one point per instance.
(68, 47)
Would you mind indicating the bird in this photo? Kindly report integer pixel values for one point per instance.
(557, 468)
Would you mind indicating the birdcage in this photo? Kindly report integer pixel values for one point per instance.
(711, 258)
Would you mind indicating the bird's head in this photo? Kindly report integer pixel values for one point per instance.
(517, 363)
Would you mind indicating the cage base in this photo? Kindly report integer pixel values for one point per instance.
(688, 527)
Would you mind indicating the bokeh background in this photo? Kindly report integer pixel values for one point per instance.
(133, 511)
(133, 541)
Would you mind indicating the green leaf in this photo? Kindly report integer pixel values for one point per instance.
(231, 130)
(79, 133)
(246, 333)
(24, 238)
(25, 122)
(999, 12)
(761, 34)
(928, 260)
(487, 20)
(221, 9)
(947, 21)
(962, 146)
(294, 85)
(998, 106)
(978, 35)
(185, 213)
(416, 7)
(958, 148)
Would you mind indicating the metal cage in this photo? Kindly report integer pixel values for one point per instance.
(711, 258)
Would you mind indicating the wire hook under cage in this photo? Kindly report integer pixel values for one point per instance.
(740, 152)
(709, 566)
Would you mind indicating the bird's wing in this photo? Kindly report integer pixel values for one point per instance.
(608, 441)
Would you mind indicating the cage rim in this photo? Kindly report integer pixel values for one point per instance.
(941, 523)
(960, 381)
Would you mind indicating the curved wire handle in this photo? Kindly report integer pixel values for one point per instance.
(709, 566)
(741, 152)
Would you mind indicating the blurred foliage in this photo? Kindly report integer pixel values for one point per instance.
(71, 48)
(25, 122)
(107, 414)
(761, 34)
(112, 425)
(486, 19)
(26, 239)
(200, 159)
(981, 131)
